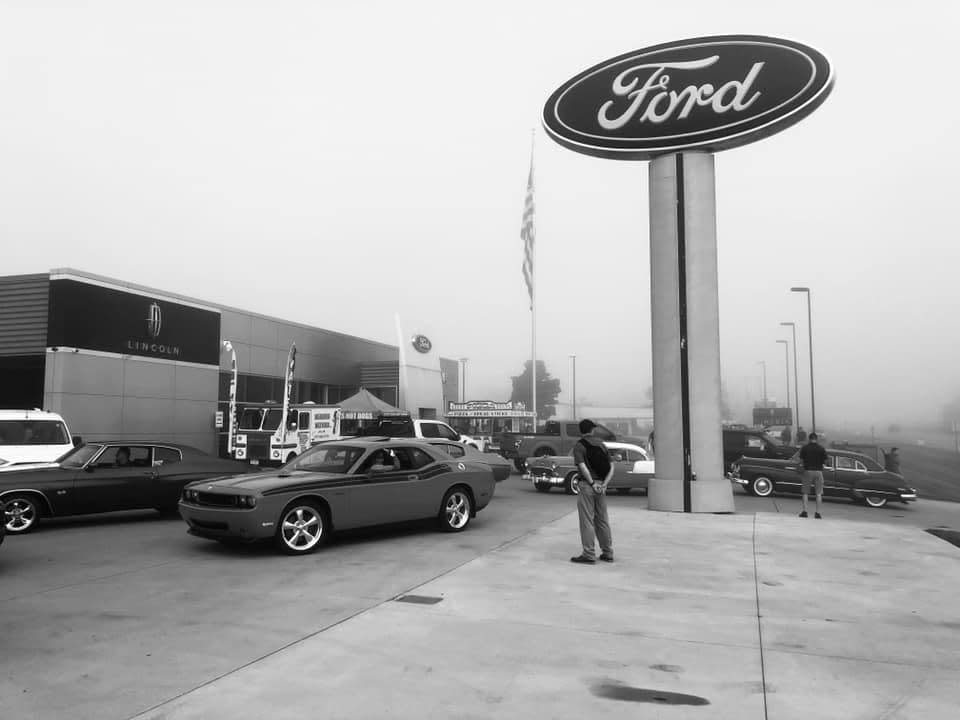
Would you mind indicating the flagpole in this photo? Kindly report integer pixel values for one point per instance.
(533, 304)
(533, 337)
(528, 234)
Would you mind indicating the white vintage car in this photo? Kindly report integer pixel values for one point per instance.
(632, 470)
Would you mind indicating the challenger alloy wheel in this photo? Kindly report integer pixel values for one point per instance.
(20, 514)
(455, 511)
(761, 486)
(302, 528)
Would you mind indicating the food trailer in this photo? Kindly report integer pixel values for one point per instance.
(485, 420)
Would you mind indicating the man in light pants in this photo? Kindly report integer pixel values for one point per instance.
(596, 470)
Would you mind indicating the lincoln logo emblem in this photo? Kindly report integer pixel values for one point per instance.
(154, 319)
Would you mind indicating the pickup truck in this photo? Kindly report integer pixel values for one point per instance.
(404, 425)
(558, 438)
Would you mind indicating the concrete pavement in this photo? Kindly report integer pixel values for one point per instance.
(702, 616)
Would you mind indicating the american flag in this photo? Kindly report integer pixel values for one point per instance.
(528, 235)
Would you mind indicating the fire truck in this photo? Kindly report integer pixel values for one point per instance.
(262, 438)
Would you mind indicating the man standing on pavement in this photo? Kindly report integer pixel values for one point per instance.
(596, 470)
(891, 461)
(813, 457)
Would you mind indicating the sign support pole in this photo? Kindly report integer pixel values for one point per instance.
(686, 337)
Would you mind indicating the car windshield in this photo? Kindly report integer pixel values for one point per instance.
(78, 457)
(327, 458)
(773, 439)
(33, 432)
(250, 419)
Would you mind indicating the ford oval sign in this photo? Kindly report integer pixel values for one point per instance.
(421, 343)
(708, 94)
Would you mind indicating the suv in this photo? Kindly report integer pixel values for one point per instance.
(752, 443)
(403, 425)
(33, 436)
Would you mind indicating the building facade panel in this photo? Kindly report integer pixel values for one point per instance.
(195, 383)
(147, 379)
(146, 418)
(237, 327)
(93, 417)
(265, 333)
(23, 314)
(82, 373)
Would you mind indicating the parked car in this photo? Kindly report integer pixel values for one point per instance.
(632, 470)
(500, 467)
(738, 443)
(338, 485)
(557, 438)
(405, 426)
(100, 477)
(849, 475)
(33, 436)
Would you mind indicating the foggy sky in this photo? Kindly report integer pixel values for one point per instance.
(336, 162)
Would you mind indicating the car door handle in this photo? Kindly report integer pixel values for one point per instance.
(151, 473)
(412, 477)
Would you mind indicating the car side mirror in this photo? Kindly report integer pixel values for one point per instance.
(77, 441)
(89, 468)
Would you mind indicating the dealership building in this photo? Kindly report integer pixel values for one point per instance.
(123, 361)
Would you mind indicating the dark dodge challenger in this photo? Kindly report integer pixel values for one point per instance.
(106, 476)
(340, 484)
(847, 475)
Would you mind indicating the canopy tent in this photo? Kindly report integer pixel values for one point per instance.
(364, 406)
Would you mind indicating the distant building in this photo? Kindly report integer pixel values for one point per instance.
(124, 361)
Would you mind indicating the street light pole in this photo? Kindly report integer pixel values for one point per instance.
(813, 400)
(786, 362)
(574, 359)
(796, 377)
(764, 363)
(463, 379)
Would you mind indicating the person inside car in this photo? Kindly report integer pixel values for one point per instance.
(123, 457)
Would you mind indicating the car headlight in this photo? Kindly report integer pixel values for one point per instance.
(246, 501)
(190, 495)
(240, 440)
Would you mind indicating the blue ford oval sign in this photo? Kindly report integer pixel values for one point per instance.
(709, 93)
(421, 343)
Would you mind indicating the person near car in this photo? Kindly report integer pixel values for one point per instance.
(596, 470)
(650, 444)
(813, 457)
(785, 435)
(801, 435)
(891, 460)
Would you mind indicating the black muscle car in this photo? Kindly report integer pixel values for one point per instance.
(106, 476)
(848, 475)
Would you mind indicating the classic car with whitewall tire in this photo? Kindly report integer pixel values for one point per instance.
(340, 485)
(106, 476)
(632, 470)
(849, 475)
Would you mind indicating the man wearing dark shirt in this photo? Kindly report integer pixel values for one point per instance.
(813, 457)
(596, 470)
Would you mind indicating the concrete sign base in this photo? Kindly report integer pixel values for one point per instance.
(686, 337)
